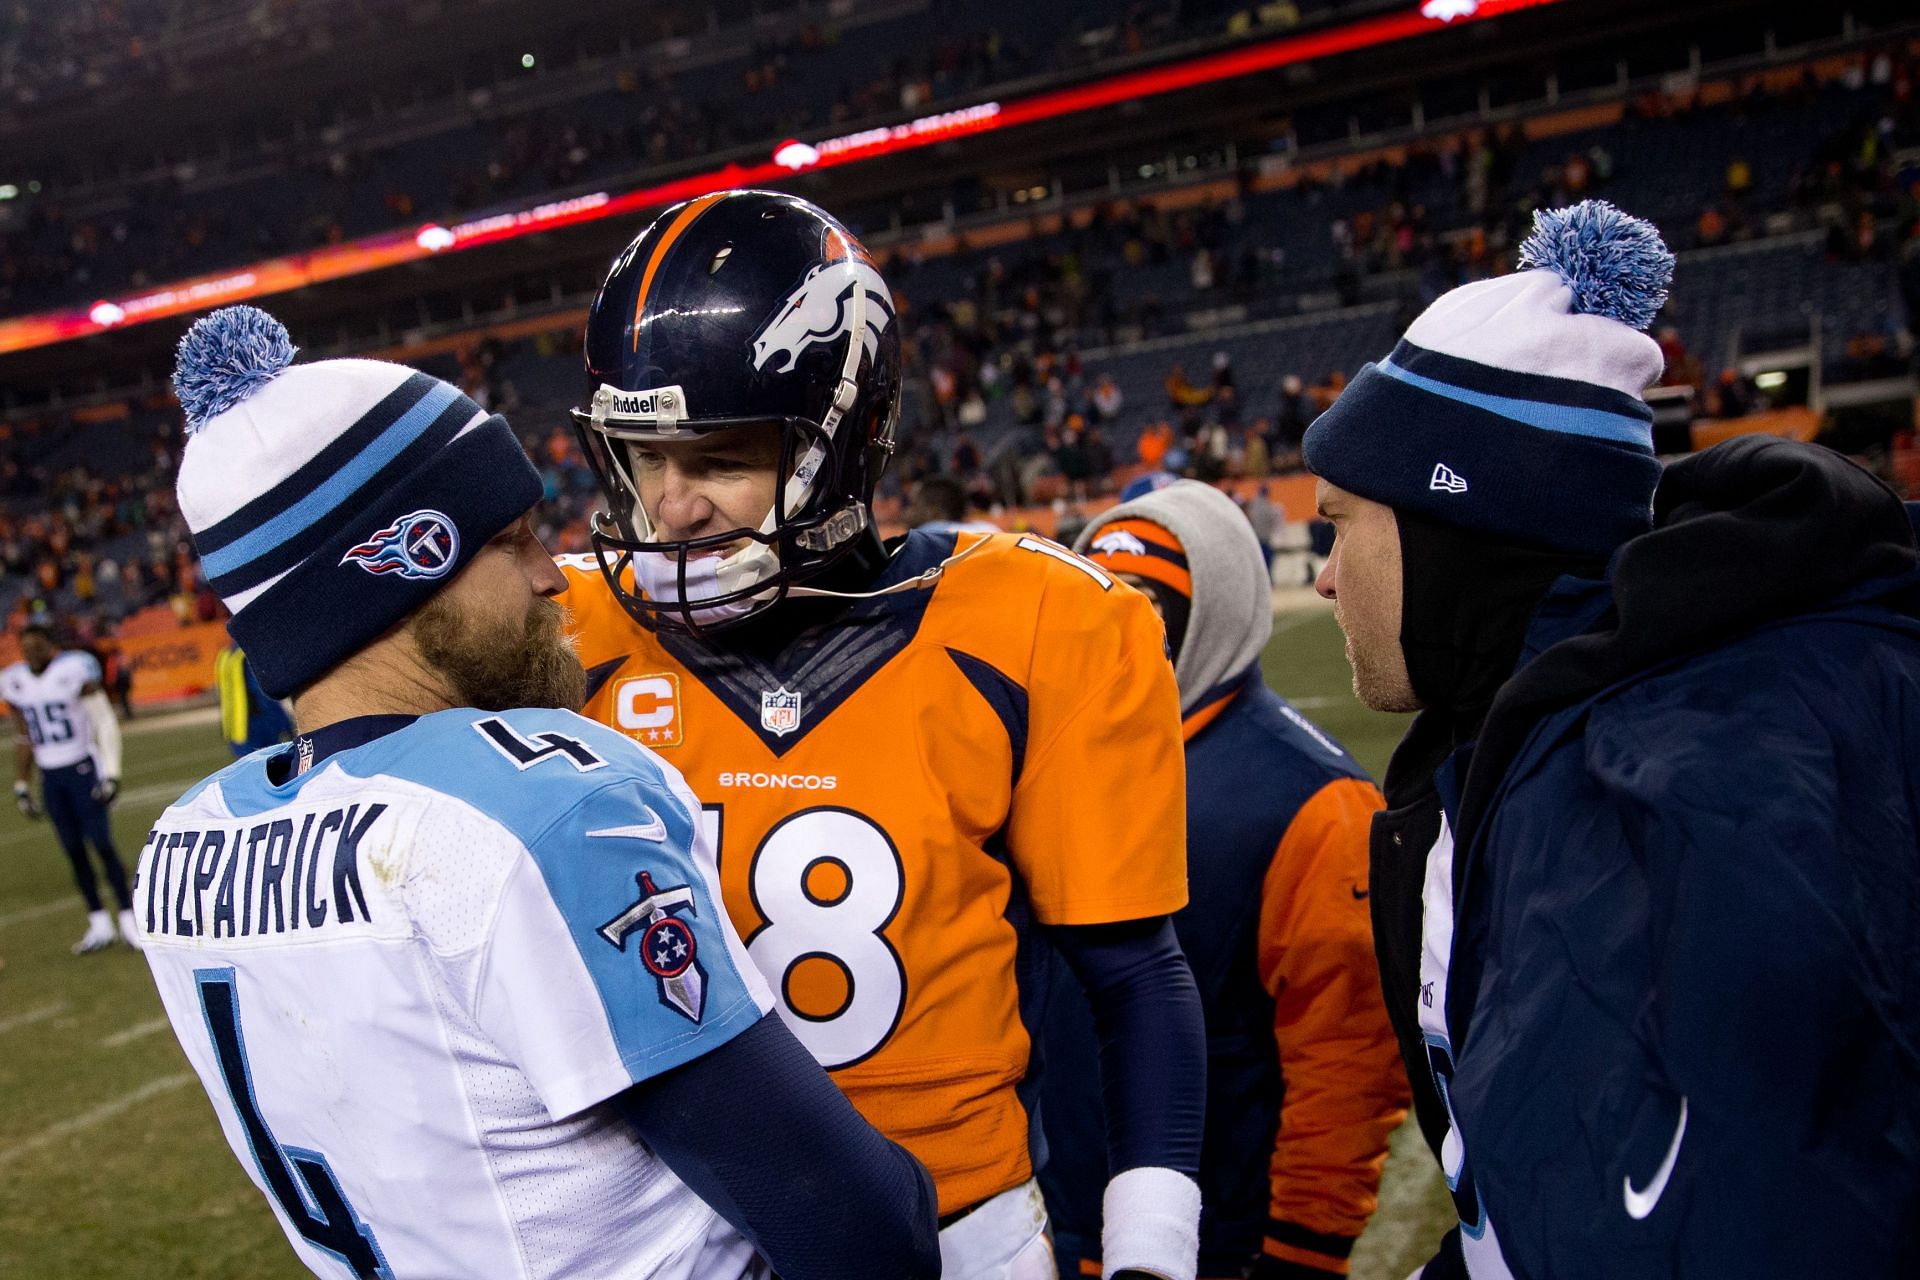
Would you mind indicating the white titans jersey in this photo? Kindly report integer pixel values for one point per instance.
(57, 724)
(409, 978)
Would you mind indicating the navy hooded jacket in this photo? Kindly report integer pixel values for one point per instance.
(1684, 999)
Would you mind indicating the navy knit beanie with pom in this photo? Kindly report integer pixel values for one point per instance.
(1514, 405)
(330, 500)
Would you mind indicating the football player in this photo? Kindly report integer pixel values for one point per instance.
(1304, 1082)
(452, 967)
(63, 723)
(923, 761)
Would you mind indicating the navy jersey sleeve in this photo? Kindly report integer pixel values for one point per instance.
(1153, 1044)
(759, 1132)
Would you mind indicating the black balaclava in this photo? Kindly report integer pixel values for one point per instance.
(1467, 598)
(1175, 610)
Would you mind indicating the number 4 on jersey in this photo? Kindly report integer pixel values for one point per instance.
(301, 1182)
(546, 746)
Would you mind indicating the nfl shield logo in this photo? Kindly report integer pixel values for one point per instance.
(779, 712)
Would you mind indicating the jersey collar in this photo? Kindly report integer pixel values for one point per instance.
(309, 749)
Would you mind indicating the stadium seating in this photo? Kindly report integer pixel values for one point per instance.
(1310, 279)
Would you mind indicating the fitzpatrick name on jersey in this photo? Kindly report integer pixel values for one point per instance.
(251, 879)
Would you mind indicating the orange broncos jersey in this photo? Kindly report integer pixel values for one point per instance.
(897, 797)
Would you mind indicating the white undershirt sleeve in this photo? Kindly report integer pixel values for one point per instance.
(106, 732)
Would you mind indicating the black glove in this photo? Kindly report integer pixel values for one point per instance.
(23, 796)
(106, 790)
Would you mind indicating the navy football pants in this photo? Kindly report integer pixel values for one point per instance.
(78, 819)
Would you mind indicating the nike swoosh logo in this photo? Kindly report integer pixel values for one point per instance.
(1640, 1203)
(1359, 894)
(653, 829)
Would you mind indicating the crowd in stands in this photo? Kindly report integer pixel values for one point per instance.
(1004, 347)
(1018, 382)
(792, 84)
(93, 548)
(56, 53)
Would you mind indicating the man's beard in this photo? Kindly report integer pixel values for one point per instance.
(499, 667)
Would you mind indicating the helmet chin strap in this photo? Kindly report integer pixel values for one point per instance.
(917, 582)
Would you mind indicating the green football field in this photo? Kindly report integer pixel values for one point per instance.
(111, 1163)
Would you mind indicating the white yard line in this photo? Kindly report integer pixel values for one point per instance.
(137, 1031)
(96, 1116)
(168, 791)
(39, 1014)
(34, 913)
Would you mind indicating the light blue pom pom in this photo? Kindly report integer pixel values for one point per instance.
(226, 357)
(1616, 264)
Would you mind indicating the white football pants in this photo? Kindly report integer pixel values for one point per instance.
(1004, 1239)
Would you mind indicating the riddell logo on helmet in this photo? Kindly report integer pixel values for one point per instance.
(659, 402)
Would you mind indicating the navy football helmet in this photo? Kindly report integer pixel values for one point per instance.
(739, 308)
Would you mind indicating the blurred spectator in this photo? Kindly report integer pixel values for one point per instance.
(1712, 227)
(1155, 440)
(1071, 459)
(1182, 394)
(1226, 406)
(1683, 369)
(1295, 414)
(938, 504)
(1265, 519)
(1222, 370)
(1325, 393)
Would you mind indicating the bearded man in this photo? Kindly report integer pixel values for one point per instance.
(451, 966)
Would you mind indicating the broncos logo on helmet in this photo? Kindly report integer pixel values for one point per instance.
(818, 310)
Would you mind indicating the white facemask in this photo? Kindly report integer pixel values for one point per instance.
(709, 577)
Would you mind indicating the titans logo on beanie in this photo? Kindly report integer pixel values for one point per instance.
(329, 500)
(1514, 405)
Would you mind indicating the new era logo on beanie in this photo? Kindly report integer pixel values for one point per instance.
(327, 501)
(1530, 384)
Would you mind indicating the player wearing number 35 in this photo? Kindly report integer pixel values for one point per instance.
(452, 965)
(924, 761)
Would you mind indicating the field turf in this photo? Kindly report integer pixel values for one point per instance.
(112, 1166)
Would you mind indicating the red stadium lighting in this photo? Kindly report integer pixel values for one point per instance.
(372, 253)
